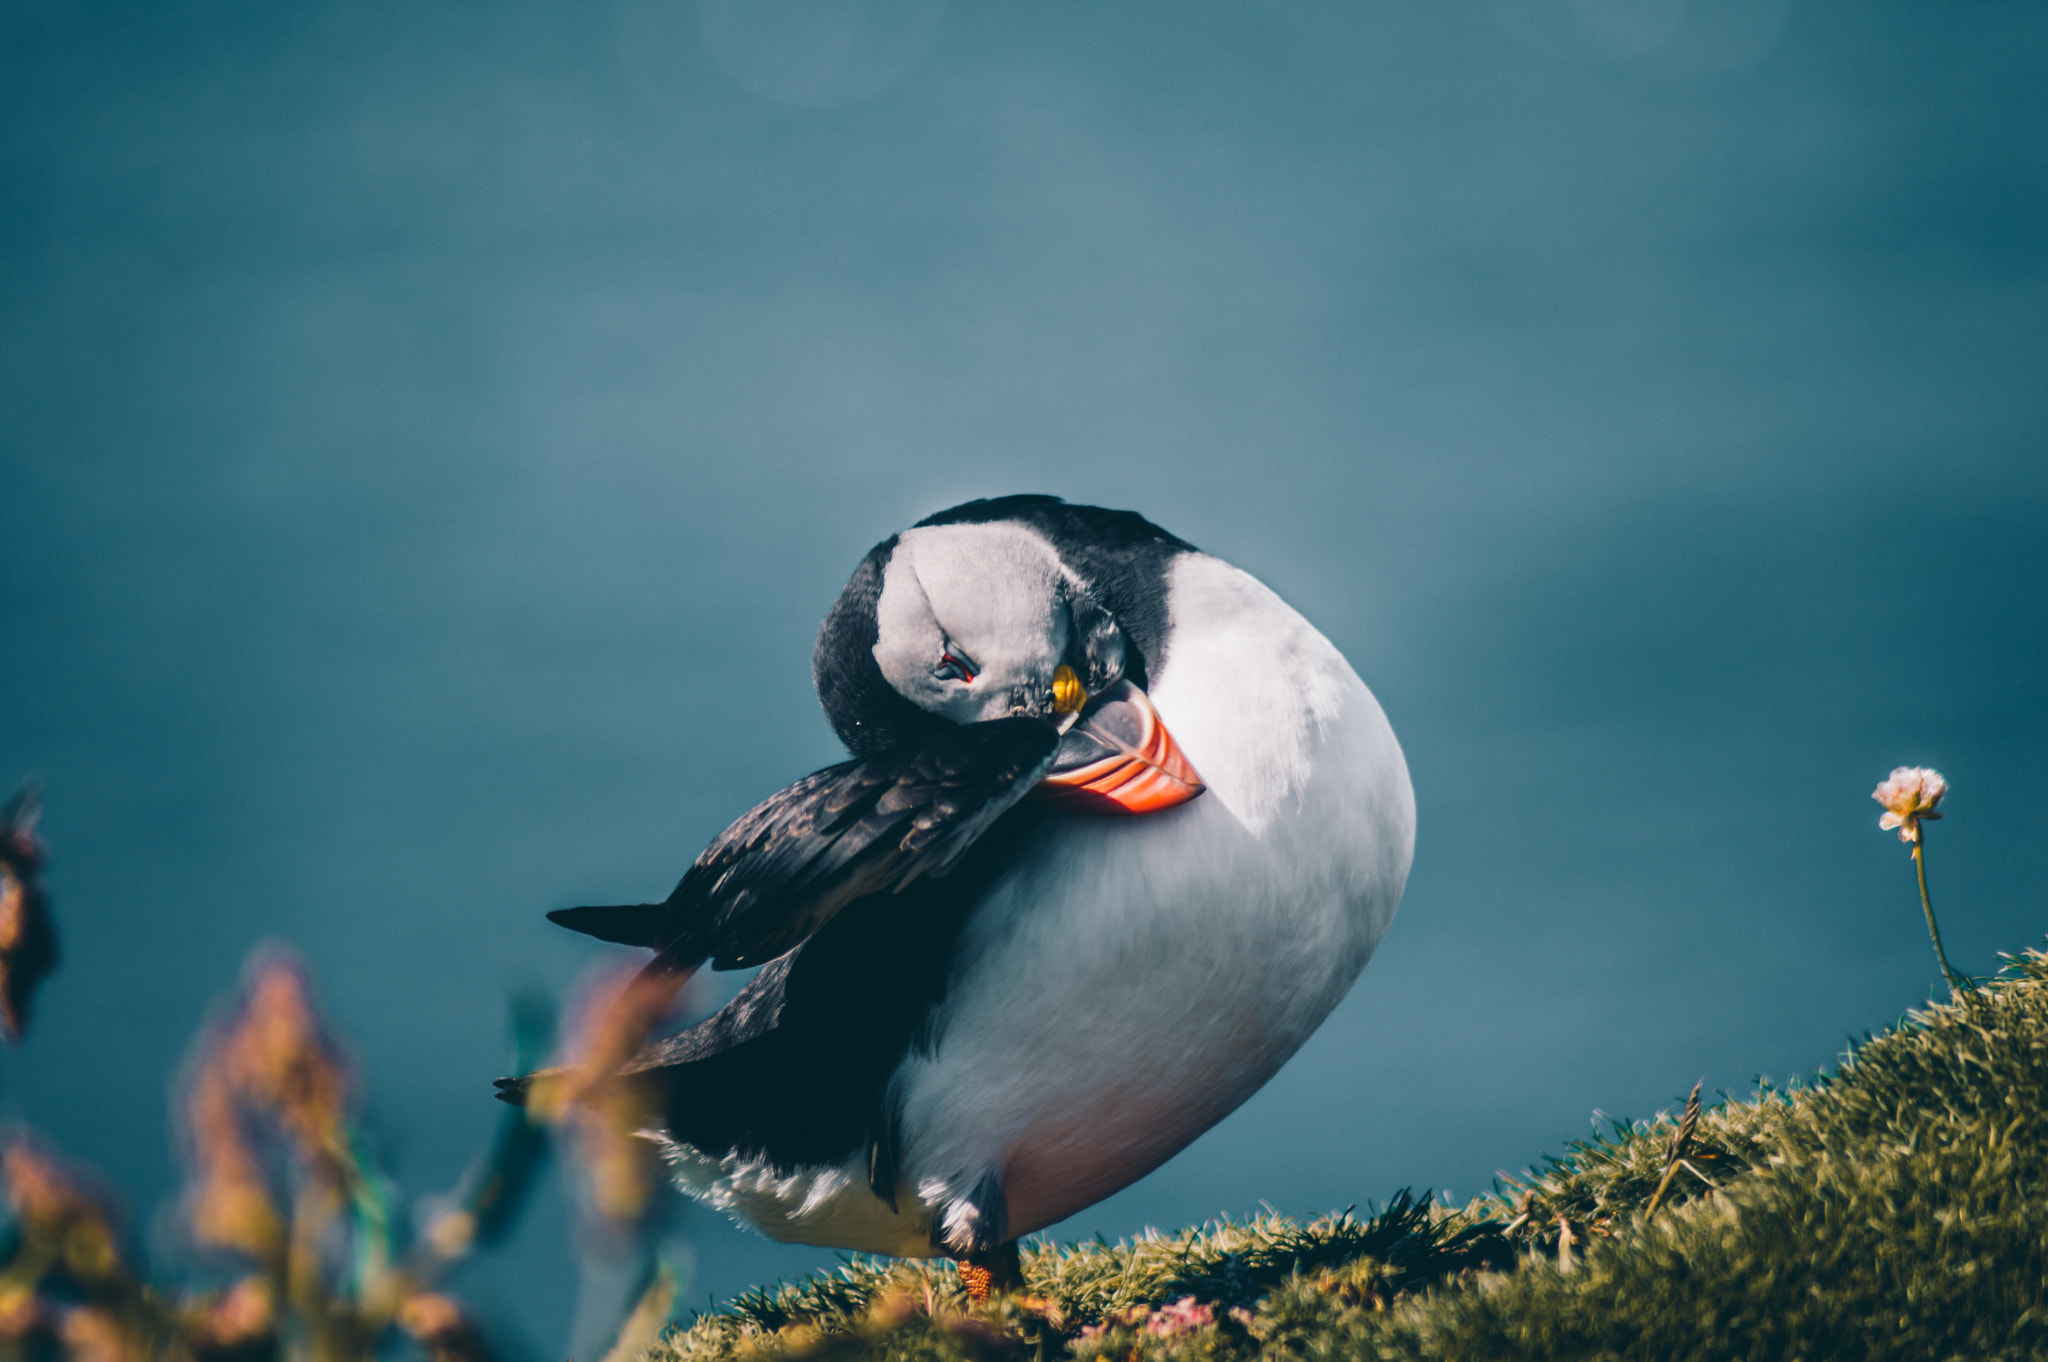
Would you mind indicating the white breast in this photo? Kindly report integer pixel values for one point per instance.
(1134, 980)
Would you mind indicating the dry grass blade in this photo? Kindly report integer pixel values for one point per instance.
(1681, 1142)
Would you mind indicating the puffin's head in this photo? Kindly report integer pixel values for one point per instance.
(976, 622)
(970, 622)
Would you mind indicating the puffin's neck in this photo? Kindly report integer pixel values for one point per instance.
(1249, 688)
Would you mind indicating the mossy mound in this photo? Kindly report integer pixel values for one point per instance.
(1895, 1209)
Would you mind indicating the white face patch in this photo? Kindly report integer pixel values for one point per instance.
(994, 596)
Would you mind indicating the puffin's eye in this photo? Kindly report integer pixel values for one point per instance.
(953, 667)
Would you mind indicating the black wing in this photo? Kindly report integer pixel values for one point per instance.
(877, 823)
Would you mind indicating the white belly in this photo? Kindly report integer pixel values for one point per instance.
(1135, 979)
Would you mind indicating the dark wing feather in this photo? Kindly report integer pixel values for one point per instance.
(797, 1067)
(628, 924)
(874, 824)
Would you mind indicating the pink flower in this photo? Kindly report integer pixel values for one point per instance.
(1909, 796)
(1184, 1316)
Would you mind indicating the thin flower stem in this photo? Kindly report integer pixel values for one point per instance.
(1955, 990)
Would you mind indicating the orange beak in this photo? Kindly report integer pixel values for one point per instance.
(1118, 758)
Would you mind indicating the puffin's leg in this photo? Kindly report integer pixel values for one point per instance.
(998, 1269)
(977, 1236)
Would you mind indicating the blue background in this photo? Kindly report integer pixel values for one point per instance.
(430, 434)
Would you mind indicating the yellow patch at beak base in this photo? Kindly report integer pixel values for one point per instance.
(1068, 694)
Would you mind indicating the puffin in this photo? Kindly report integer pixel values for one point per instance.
(1118, 830)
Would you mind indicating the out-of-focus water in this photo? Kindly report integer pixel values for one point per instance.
(430, 434)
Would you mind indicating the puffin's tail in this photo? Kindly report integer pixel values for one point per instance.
(628, 924)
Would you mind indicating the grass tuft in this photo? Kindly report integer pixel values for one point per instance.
(1893, 1209)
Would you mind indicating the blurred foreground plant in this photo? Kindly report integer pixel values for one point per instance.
(28, 942)
(600, 1105)
(284, 1193)
(598, 1098)
(281, 1189)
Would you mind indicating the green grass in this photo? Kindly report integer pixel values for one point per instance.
(1894, 1209)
